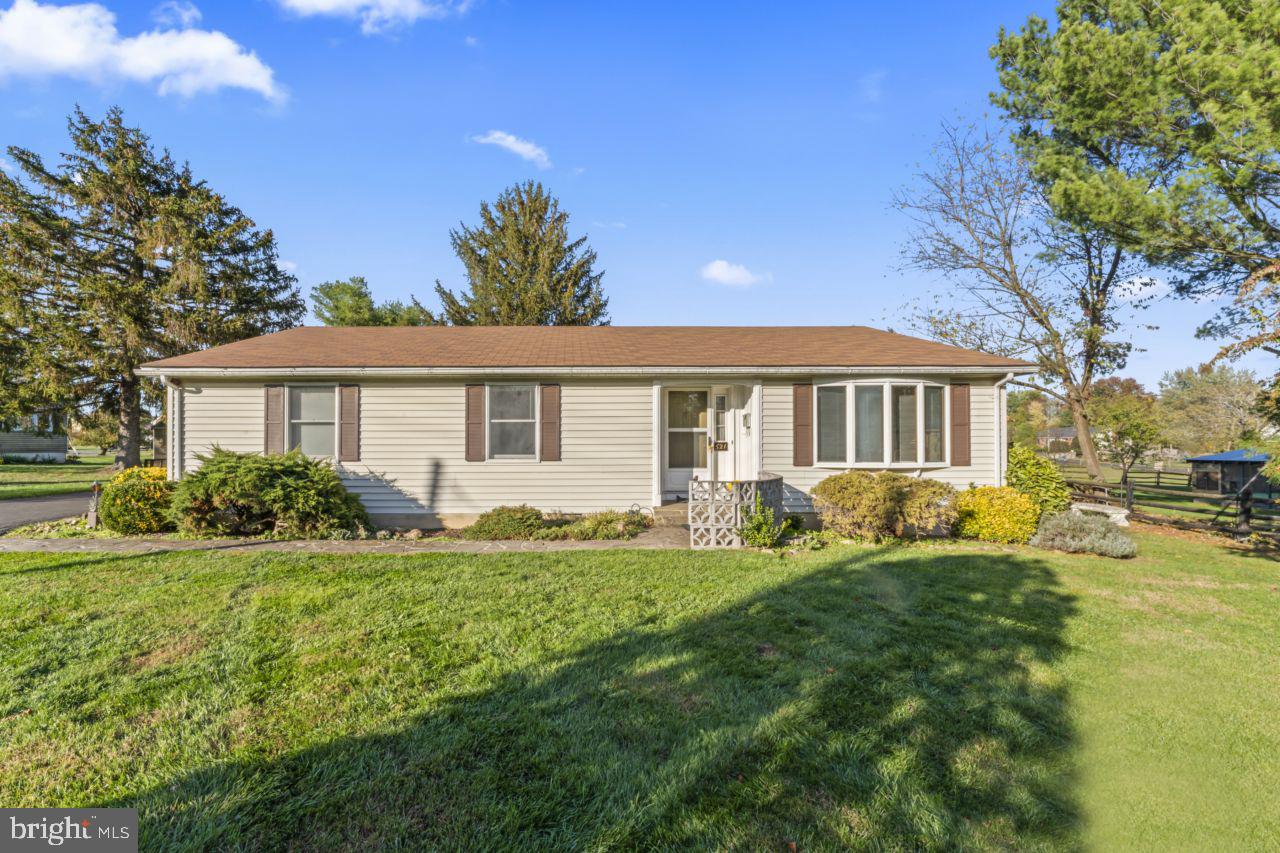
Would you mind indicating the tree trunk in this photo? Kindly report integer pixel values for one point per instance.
(1088, 450)
(129, 453)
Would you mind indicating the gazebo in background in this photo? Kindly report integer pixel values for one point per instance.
(1230, 471)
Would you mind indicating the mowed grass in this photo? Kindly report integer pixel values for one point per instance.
(29, 480)
(888, 698)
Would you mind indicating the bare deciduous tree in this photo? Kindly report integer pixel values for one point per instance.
(1024, 284)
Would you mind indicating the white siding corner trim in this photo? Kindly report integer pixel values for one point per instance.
(655, 426)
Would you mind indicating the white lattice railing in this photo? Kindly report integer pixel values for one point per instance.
(718, 508)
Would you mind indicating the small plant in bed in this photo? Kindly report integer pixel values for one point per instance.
(761, 530)
(1081, 533)
(280, 494)
(506, 522)
(610, 524)
(526, 522)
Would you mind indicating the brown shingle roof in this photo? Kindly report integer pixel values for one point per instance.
(584, 346)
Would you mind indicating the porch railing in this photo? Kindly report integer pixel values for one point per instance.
(718, 508)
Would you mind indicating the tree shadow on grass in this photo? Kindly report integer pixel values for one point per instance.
(907, 703)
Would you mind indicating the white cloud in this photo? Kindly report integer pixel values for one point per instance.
(734, 275)
(522, 148)
(176, 14)
(6, 166)
(471, 41)
(871, 86)
(82, 41)
(1142, 288)
(617, 224)
(288, 266)
(378, 16)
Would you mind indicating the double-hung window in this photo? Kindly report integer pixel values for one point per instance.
(312, 426)
(513, 422)
(880, 423)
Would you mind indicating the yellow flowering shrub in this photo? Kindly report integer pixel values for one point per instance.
(996, 515)
(136, 501)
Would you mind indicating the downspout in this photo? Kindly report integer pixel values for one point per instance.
(1002, 452)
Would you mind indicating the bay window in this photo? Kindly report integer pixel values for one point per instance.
(868, 417)
(880, 424)
(833, 431)
(904, 423)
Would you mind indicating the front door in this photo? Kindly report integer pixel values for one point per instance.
(723, 433)
(686, 439)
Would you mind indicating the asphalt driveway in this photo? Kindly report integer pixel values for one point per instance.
(20, 511)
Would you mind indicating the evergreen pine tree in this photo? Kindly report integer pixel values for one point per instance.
(118, 256)
(522, 268)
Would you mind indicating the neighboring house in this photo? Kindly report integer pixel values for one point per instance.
(34, 446)
(434, 425)
(1230, 471)
(1046, 437)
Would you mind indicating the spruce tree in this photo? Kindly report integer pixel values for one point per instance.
(116, 256)
(522, 268)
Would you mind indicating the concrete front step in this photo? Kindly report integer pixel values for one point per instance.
(671, 515)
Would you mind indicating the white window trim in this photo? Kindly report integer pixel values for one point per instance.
(885, 462)
(537, 424)
(288, 416)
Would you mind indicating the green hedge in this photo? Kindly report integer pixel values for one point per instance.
(287, 495)
(883, 506)
(1039, 479)
(996, 514)
(136, 501)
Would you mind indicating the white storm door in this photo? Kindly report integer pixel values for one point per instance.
(685, 447)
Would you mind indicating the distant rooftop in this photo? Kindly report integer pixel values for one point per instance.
(1231, 456)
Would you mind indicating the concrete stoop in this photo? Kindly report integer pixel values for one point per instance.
(672, 515)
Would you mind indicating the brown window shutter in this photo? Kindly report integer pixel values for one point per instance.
(348, 423)
(960, 429)
(273, 419)
(802, 425)
(475, 423)
(550, 412)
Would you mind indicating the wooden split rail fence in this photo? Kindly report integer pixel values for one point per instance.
(1239, 515)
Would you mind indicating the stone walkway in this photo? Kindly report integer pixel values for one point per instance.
(657, 537)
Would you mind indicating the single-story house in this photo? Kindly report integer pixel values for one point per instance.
(432, 426)
(36, 447)
(1230, 471)
(1046, 437)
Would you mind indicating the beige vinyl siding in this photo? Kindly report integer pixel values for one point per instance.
(412, 448)
(228, 415)
(776, 451)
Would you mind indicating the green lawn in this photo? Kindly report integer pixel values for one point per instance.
(893, 698)
(28, 480)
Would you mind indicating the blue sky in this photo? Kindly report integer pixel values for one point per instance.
(768, 137)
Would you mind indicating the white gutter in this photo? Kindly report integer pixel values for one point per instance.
(1002, 451)
(400, 372)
